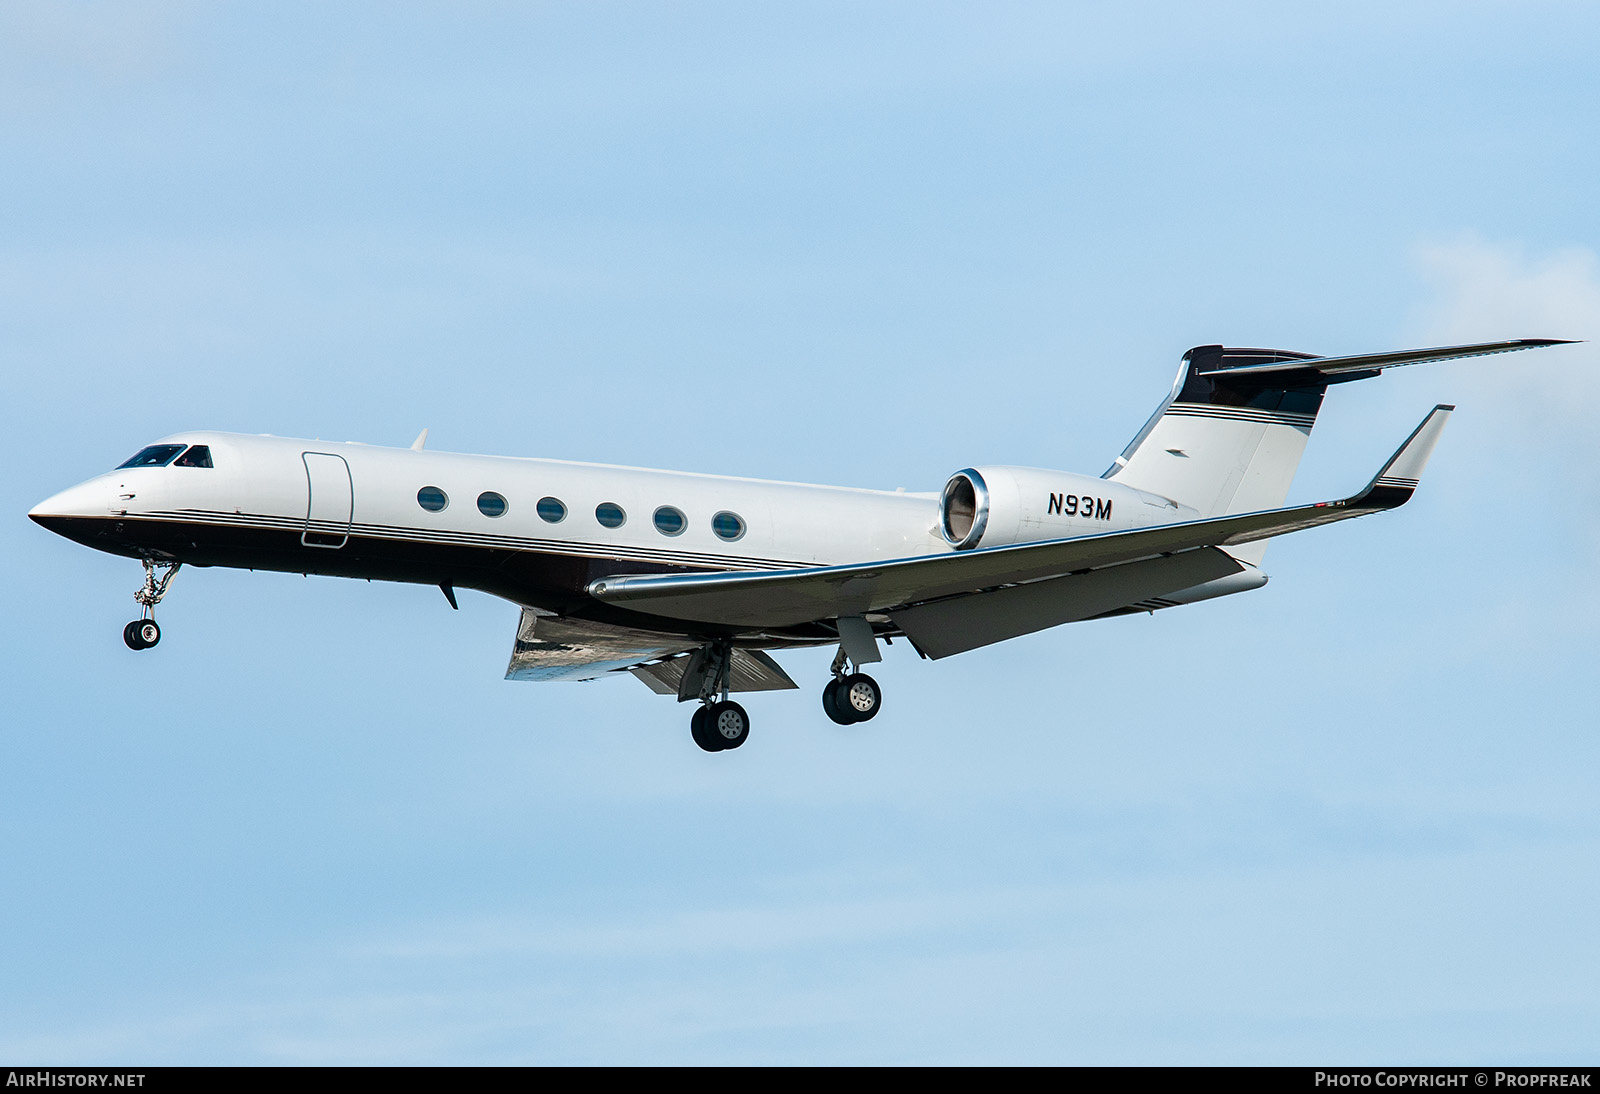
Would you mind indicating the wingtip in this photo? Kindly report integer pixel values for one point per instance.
(1395, 483)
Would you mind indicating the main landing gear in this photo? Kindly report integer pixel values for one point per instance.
(143, 632)
(719, 724)
(850, 697)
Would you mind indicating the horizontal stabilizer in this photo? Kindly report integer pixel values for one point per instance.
(1372, 362)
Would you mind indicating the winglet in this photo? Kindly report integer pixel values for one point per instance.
(1394, 485)
(422, 439)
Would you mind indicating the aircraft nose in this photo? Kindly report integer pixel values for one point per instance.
(87, 499)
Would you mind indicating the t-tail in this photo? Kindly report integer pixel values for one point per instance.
(1230, 436)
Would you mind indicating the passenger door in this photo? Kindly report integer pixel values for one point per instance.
(330, 500)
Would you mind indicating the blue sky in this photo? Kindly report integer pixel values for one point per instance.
(1348, 818)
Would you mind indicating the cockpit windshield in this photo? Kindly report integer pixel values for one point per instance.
(157, 455)
(199, 455)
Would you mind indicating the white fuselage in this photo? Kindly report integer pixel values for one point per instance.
(786, 524)
(400, 514)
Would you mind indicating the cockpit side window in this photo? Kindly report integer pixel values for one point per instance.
(199, 455)
(156, 455)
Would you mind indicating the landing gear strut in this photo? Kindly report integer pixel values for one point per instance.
(850, 697)
(143, 632)
(718, 724)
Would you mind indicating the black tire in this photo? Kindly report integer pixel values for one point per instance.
(700, 730)
(130, 635)
(833, 704)
(727, 722)
(149, 634)
(860, 697)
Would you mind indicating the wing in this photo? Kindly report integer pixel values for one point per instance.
(790, 597)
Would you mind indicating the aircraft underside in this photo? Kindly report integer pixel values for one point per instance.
(564, 634)
(550, 585)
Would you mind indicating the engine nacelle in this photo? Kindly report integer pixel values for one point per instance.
(994, 506)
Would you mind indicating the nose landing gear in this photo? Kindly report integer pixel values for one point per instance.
(143, 632)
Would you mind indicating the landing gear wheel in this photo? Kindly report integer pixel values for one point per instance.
(700, 730)
(833, 703)
(141, 634)
(858, 696)
(727, 723)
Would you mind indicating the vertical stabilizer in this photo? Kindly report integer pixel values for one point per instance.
(1229, 437)
(1228, 444)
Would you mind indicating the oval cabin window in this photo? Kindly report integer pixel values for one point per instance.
(670, 521)
(491, 504)
(610, 514)
(432, 499)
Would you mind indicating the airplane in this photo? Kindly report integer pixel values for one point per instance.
(685, 581)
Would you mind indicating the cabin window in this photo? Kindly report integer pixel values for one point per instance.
(552, 510)
(491, 504)
(728, 526)
(432, 499)
(670, 521)
(610, 514)
(199, 455)
(156, 455)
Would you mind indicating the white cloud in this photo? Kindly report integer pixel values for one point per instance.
(1533, 408)
(1482, 291)
(1485, 292)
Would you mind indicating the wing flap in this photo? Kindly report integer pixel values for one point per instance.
(948, 627)
(751, 670)
(549, 648)
(789, 597)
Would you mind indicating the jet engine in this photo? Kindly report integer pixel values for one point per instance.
(994, 506)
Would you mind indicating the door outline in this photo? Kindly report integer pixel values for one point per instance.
(332, 505)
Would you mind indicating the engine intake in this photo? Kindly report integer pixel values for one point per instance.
(964, 509)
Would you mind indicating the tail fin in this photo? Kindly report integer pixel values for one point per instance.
(1224, 444)
(1230, 436)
